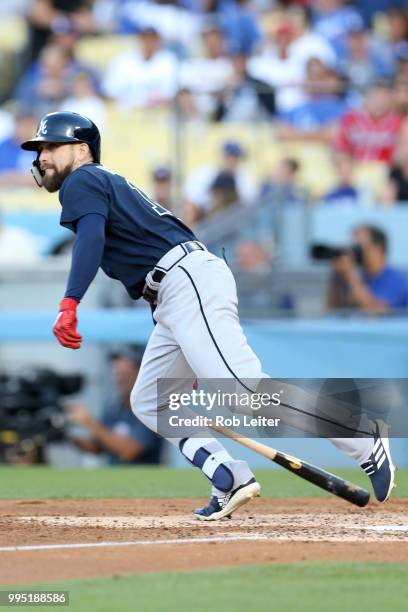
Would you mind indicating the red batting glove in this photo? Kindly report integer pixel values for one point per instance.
(65, 327)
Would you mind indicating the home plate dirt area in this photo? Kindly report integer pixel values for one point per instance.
(50, 540)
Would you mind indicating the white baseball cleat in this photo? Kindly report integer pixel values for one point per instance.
(220, 507)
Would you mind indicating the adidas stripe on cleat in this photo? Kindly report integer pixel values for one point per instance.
(379, 466)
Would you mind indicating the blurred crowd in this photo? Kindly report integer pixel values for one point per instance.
(327, 72)
(323, 71)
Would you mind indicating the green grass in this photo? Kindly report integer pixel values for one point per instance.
(296, 587)
(306, 587)
(129, 482)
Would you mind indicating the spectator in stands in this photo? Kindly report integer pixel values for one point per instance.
(198, 199)
(401, 148)
(188, 112)
(15, 163)
(44, 17)
(345, 192)
(118, 434)
(67, 36)
(371, 134)
(178, 26)
(400, 92)
(376, 287)
(333, 18)
(51, 82)
(291, 46)
(162, 186)
(244, 98)
(363, 58)
(402, 60)
(240, 26)
(315, 120)
(250, 256)
(396, 189)
(278, 69)
(223, 191)
(17, 246)
(397, 17)
(282, 184)
(65, 33)
(207, 75)
(370, 8)
(308, 44)
(238, 20)
(85, 100)
(142, 78)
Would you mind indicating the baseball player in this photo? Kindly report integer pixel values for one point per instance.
(197, 332)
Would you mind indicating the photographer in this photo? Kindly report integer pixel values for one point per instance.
(119, 434)
(362, 279)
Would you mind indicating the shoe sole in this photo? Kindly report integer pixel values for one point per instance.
(241, 497)
(384, 429)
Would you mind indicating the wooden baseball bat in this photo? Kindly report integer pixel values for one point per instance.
(316, 475)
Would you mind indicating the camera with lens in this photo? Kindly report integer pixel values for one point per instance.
(31, 410)
(328, 252)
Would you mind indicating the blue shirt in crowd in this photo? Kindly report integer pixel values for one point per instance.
(390, 285)
(315, 114)
(240, 28)
(12, 156)
(342, 194)
(368, 8)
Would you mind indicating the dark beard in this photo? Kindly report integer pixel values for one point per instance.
(53, 183)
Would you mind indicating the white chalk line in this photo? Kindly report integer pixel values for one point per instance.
(380, 527)
(134, 543)
(223, 539)
(268, 521)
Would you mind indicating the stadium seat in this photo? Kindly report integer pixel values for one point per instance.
(98, 51)
(12, 34)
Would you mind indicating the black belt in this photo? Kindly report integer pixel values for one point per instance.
(155, 277)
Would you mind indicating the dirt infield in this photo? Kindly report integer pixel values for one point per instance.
(50, 540)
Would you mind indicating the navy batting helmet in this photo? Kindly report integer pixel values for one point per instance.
(65, 127)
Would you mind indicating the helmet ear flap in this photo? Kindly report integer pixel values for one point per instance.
(36, 171)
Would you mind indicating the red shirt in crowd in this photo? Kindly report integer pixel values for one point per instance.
(369, 138)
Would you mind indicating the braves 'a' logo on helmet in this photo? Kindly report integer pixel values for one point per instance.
(42, 128)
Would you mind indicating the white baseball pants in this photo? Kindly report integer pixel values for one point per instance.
(198, 335)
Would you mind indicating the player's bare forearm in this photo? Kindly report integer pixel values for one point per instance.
(87, 445)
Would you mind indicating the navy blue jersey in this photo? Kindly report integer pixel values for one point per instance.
(138, 231)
